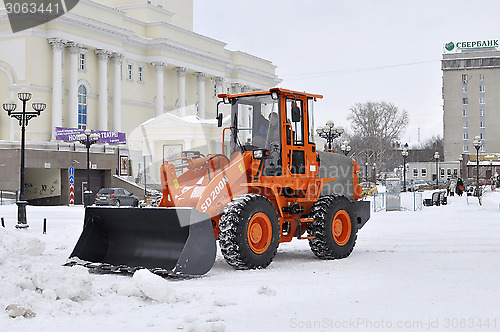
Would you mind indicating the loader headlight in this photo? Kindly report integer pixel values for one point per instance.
(260, 154)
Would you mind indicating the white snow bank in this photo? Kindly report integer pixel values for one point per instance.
(31, 281)
(20, 244)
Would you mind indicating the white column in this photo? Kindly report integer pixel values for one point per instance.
(159, 107)
(220, 89)
(218, 146)
(181, 79)
(219, 83)
(103, 89)
(201, 94)
(187, 144)
(243, 120)
(117, 91)
(57, 49)
(74, 51)
(246, 113)
(12, 122)
(238, 88)
(246, 120)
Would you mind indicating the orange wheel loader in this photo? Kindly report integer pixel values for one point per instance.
(271, 186)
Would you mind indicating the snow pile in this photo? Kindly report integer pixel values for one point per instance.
(65, 283)
(154, 286)
(20, 245)
(30, 282)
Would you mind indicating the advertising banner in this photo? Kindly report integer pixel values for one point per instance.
(71, 134)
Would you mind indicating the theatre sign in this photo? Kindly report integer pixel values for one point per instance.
(453, 47)
(70, 134)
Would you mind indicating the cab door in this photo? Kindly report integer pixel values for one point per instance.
(295, 137)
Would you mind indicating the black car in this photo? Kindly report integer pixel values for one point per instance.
(116, 196)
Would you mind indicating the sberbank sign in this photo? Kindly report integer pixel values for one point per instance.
(451, 46)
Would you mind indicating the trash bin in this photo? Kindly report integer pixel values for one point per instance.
(88, 198)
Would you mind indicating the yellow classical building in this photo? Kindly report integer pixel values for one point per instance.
(112, 65)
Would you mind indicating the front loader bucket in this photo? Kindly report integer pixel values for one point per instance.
(176, 240)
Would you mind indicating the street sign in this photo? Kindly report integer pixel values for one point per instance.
(71, 180)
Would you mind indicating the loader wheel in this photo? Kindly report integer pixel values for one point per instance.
(334, 228)
(249, 232)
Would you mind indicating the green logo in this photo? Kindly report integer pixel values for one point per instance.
(449, 46)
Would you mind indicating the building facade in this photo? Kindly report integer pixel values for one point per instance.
(112, 65)
(427, 170)
(471, 102)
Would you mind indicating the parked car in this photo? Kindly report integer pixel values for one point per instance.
(419, 185)
(408, 185)
(116, 196)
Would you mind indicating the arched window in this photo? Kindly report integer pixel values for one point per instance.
(82, 107)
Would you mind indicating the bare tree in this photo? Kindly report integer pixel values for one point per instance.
(433, 143)
(376, 129)
(381, 121)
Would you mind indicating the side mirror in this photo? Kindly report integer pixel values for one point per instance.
(295, 114)
(219, 120)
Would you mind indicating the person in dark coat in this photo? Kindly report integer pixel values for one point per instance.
(460, 187)
(273, 133)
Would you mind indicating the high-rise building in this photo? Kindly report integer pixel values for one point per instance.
(471, 98)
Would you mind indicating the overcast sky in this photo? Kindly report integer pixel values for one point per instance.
(354, 51)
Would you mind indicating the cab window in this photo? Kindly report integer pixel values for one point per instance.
(295, 120)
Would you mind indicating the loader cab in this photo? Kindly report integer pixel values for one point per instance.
(279, 122)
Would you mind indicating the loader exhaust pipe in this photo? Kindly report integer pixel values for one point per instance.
(178, 240)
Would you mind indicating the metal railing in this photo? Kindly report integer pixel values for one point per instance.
(409, 201)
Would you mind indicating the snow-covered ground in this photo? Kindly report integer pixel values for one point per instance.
(433, 269)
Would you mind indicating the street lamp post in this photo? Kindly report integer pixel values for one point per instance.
(23, 118)
(88, 139)
(366, 172)
(329, 132)
(460, 159)
(404, 153)
(345, 147)
(436, 156)
(374, 168)
(477, 144)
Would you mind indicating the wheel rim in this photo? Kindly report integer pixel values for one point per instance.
(259, 233)
(341, 227)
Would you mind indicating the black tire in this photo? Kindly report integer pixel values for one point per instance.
(117, 203)
(328, 244)
(245, 216)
